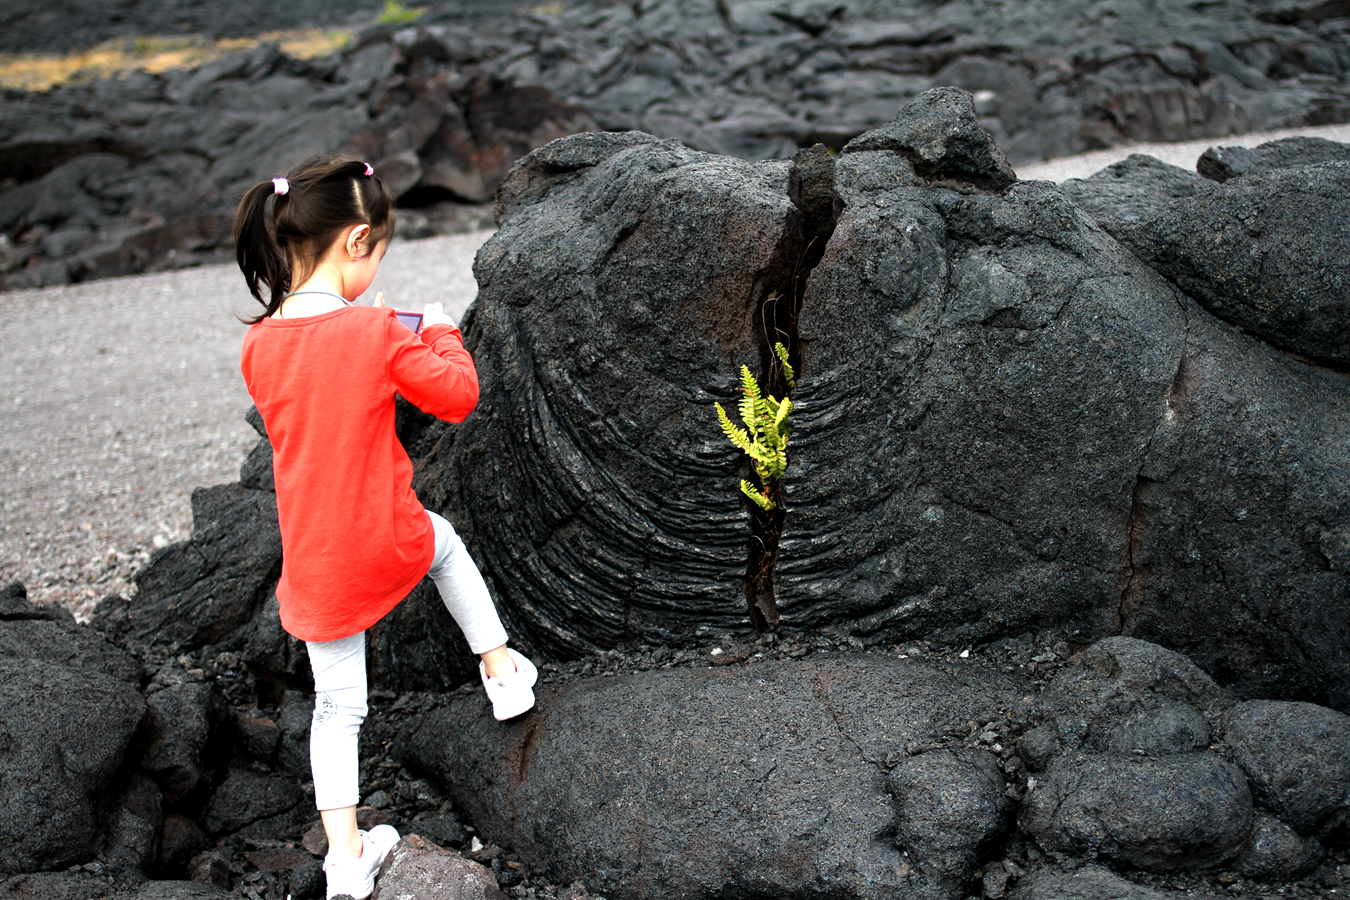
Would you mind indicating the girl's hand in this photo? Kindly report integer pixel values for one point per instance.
(379, 298)
(435, 315)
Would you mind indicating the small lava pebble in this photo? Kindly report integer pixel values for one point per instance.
(306, 881)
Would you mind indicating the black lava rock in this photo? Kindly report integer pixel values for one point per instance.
(1135, 189)
(940, 137)
(189, 739)
(950, 806)
(1257, 252)
(64, 734)
(1125, 696)
(1223, 163)
(248, 798)
(1297, 756)
(1275, 852)
(1163, 814)
(1088, 883)
(956, 354)
(768, 776)
(205, 590)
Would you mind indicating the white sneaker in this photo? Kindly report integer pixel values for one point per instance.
(511, 694)
(356, 876)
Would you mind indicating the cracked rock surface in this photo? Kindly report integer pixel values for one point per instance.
(893, 771)
(978, 363)
(769, 778)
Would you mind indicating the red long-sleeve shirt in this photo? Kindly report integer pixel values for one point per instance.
(355, 538)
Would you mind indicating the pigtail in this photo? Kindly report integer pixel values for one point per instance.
(260, 257)
(374, 200)
(310, 208)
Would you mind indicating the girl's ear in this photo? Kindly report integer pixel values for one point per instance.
(356, 240)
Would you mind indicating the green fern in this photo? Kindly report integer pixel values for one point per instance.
(788, 375)
(765, 436)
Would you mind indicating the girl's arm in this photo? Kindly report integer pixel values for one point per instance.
(432, 370)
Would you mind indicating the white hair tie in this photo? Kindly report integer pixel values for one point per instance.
(280, 186)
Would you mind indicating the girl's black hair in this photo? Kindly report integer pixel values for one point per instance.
(326, 195)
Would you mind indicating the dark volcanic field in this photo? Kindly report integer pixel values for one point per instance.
(1098, 434)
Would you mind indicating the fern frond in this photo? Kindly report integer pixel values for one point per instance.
(761, 455)
(762, 414)
(771, 440)
(788, 375)
(772, 467)
(749, 384)
(736, 435)
(747, 410)
(760, 499)
(764, 438)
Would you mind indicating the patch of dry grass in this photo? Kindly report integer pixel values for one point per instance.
(35, 72)
(396, 13)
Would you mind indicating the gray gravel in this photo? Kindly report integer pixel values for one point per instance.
(122, 396)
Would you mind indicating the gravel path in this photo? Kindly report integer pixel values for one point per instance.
(122, 396)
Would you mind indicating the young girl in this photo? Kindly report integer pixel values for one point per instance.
(355, 538)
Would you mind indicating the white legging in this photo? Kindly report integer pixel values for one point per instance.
(340, 670)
